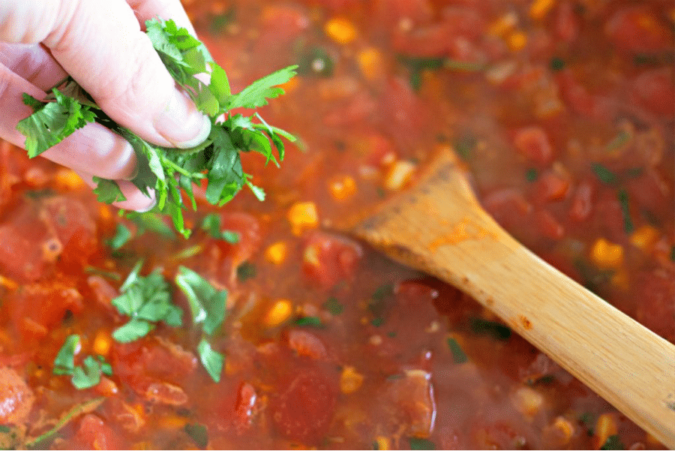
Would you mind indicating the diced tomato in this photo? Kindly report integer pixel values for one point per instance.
(250, 236)
(329, 258)
(16, 398)
(655, 91)
(304, 408)
(650, 191)
(281, 24)
(93, 433)
(608, 213)
(20, 257)
(533, 144)
(355, 110)
(413, 403)
(104, 293)
(245, 407)
(548, 225)
(654, 294)
(377, 149)
(580, 100)
(501, 434)
(638, 29)
(551, 186)
(392, 12)
(306, 344)
(73, 226)
(403, 114)
(582, 201)
(37, 308)
(566, 22)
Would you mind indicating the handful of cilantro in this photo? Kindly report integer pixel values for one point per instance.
(171, 172)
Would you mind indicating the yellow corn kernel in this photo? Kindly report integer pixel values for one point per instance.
(371, 63)
(350, 380)
(8, 283)
(291, 85)
(540, 8)
(566, 428)
(382, 442)
(173, 422)
(342, 187)
(504, 24)
(104, 212)
(303, 215)
(516, 40)
(528, 401)
(606, 254)
(102, 343)
(276, 253)
(279, 313)
(644, 237)
(604, 428)
(340, 30)
(68, 180)
(399, 174)
(620, 278)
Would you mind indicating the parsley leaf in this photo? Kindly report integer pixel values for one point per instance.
(122, 237)
(458, 354)
(333, 306)
(309, 321)
(421, 443)
(64, 363)
(613, 442)
(171, 173)
(212, 361)
(495, 330)
(212, 224)
(245, 271)
(86, 376)
(625, 211)
(198, 433)
(147, 301)
(207, 304)
(52, 122)
(603, 174)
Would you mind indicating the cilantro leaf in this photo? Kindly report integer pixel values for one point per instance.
(333, 306)
(212, 361)
(170, 173)
(198, 433)
(207, 304)
(421, 444)
(88, 375)
(147, 301)
(309, 321)
(458, 354)
(122, 237)
(212, 224)
(64, 363)
(52, 122)
(613, 442)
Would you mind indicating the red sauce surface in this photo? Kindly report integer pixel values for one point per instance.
(564, 113)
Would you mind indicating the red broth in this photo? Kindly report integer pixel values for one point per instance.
(562, 110)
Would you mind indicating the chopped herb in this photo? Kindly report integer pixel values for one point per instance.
(531, 175)
(198, 433)
(421, 443)
(381, 193)
(316, 61)
(458, 354)
(465, 145)
(613, 442)
(377, 322)
(147, 301)
(557, 64)
(543, 380)
(635, 172)
(86, 376)
(150, 222)
(591, 276)
(212, 224)
(80, 409)
(603, 174)
(619, 141)
(333, 306)
(417, 66)
(391, 334)
(309, 321)
(122, 237)
(108, 274)
(5, 429)
(625, 211)
(376, 445)
(207, 304)
(383, 291)
(212, 361)
(672, 253)
(168, 172)
(495, 330)
(220, 21)
(245, 271)
(188, 252)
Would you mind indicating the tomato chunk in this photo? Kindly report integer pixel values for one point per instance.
(16, 398)
(655, 292)
(93, 433)
(638, 29)
(533, 144)
(329, 258)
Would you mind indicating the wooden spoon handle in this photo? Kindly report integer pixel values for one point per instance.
(440, 228)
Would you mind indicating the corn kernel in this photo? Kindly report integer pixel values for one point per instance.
(504, 24)
(399, 174)
(371, 63)
(540, 8)
(566, 428)
(276, 253)
(516, 40)
(342, 187)
(382, 442)
(604, 428)
(644, 237)
(620, 278)
(291, 85)
(104, 212)
(102, 343)
(350, 380)
(528, 401)
(68, 180)
(340, 30)
(173, 422)
(8, 283)
(279, 313)
(303, 215)
(606, 254)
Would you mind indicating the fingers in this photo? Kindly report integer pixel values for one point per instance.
(101, 45)
(136, 200)
(32, 63)
(93, 149)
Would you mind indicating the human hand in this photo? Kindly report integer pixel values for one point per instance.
(101, 45)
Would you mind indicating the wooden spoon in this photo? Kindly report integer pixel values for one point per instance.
(439, 227)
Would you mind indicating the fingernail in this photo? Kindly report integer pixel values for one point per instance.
(182, 124)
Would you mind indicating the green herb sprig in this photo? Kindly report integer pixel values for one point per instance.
(171, 172)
